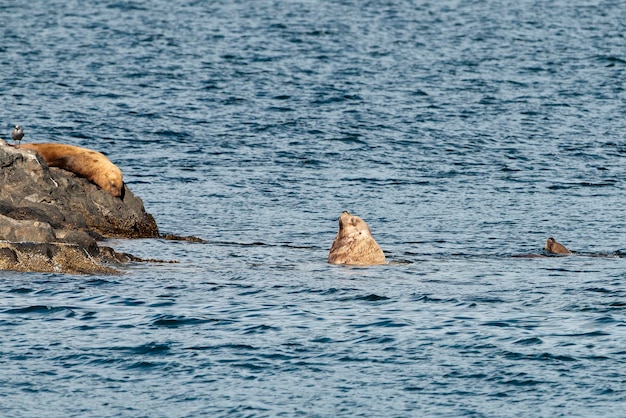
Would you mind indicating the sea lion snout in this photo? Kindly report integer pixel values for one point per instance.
(344, 219)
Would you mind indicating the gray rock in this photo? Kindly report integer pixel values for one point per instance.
(30, 188)
(50, 219)
(53, 258)
(25, 230)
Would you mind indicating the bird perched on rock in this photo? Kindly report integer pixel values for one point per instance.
(17, 134)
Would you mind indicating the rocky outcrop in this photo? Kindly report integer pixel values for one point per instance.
(55, 257)
(51, 219)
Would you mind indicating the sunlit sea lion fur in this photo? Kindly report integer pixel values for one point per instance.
(354, 243)
(554, 247)
(84, 162)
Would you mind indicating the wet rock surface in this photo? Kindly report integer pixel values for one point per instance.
(51, 220)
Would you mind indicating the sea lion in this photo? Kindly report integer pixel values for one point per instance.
(84, 162)
(17, 134)
(554, 247)
(354, 243)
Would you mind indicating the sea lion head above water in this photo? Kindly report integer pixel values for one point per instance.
(554, 247)
(354, 243)
(87, 163)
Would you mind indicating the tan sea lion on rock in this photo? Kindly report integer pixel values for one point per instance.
(84, 162)
(354, 243)
(554, 247)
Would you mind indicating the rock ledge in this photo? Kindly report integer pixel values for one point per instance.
(51, 220)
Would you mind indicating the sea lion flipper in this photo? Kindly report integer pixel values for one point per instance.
(60, 161)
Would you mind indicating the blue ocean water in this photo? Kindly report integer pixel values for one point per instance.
(464, 132)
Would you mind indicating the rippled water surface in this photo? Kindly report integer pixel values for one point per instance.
(464, 132)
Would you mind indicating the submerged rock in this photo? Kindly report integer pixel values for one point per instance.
(55, 257)
(51, 219)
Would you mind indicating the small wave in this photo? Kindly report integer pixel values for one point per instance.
(529, 341)
(245, 347)
(538, 357)
(368, 298)
(323, 340)
(21, 290)
(141, 365)
(429, 299)
(567, 186)
(377, 340)
(100, 282)
(260, 329)
(125, 6)
(586, 334)
(385, 323)
(148, 348)
(522, 382)
(502, 324)
(175, 321)
(127, 301)
(599, 290)
(612, 60)
(42, 310)
(251, 366)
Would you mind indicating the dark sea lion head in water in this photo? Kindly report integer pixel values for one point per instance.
(554, 247)
(354, 243)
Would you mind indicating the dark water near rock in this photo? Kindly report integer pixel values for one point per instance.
(464, 132)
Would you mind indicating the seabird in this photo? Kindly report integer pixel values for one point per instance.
(17, 134)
